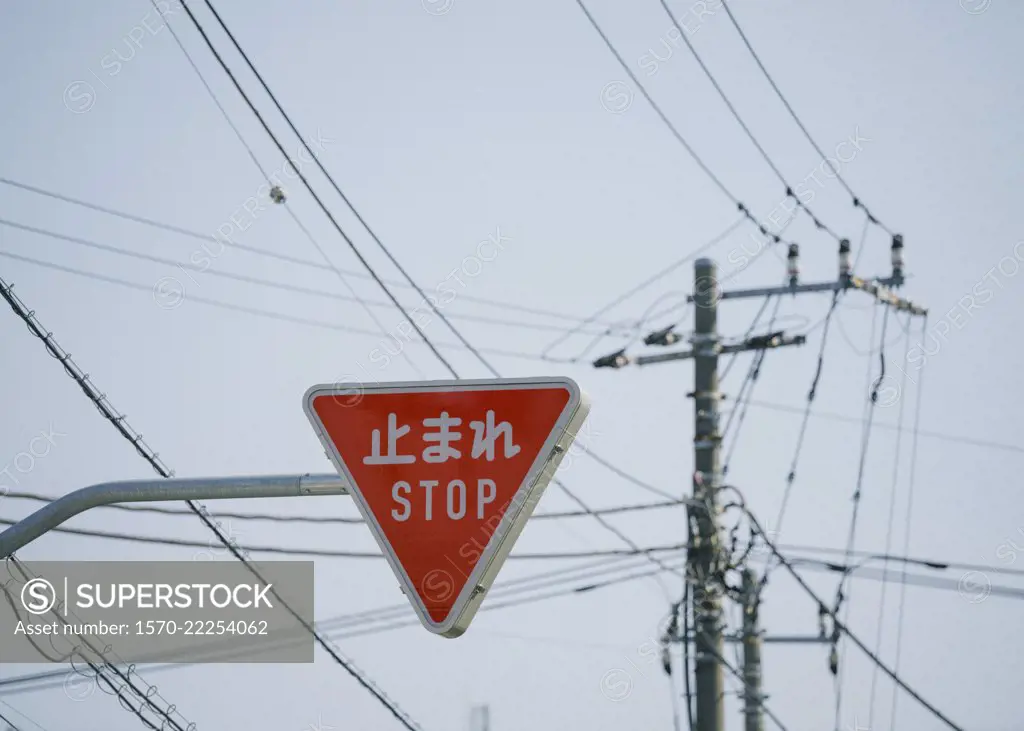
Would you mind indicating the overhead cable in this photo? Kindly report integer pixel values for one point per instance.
(207, 238)
(837, 623)
(818, 223)
(908, 522)
(857, 202)
(120, 423)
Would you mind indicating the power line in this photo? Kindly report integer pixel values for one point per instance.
(880, 624)
(121, 424)
(257, 281)
(818, 223)
(944, 436)
(608, 526)
(744, 211)
(857, 202)
(309, 236)
(532, 582)
(150, 696)
(327, 553)
(365, 225)
(394, 612)
(930, 582)
(750, 330)
(906, 535)
(9, 722)
(715, 240)
(337, 520)
(547, 555)
(15, 710)
(633, 480)
(348, 203)
(255, 311)
(812, 392)
(273, 254)
(318, 323)
(323, 170)
(841, 589)
(209, 90)
(747, 386)
(355, 619)
(839, 626)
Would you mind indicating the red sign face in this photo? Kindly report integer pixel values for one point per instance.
(445, 475)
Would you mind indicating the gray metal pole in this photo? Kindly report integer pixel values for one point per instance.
(709, 681)
(752, 699)
(135, 491)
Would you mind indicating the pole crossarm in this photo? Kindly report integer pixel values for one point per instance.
(762, 342)
(159, 490)
(880, 289)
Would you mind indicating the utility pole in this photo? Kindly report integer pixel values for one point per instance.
(752, 697)
(704, 564)
(709, 680)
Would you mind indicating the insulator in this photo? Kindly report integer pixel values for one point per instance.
(897, 254)
(613, 360)
(845, 265)
(793, 264)
(665, 336)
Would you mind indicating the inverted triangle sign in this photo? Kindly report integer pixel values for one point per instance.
(446, 474)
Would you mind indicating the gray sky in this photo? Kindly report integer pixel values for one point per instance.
(444, 129)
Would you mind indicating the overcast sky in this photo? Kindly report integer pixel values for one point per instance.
(447, 123)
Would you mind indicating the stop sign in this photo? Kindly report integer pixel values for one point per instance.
(446, 474)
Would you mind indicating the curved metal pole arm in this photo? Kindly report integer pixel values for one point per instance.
(158, 490)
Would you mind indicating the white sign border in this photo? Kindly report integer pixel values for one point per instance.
(513, 520)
